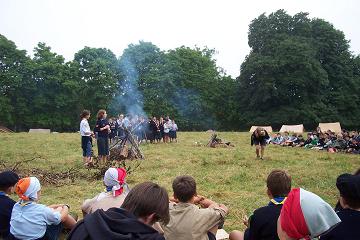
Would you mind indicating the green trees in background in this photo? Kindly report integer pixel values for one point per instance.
(299, 70)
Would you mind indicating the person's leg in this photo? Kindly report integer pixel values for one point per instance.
(262, 152)
(236, 235)
(53, 231)
(213, 230)
(69, 222)
(258, 147)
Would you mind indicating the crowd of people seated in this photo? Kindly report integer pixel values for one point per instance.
(152, 129)
(147, 212)
(346, 141)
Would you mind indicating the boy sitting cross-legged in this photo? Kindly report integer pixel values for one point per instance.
(188, 221)
(263, 223)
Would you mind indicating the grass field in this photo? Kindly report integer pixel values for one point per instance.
(231, 176)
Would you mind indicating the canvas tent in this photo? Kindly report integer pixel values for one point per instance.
(267, 128)
(334, 127)
(39, 130)
(292, 128)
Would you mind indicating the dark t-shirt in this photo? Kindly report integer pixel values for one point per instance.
(348, 229)
(6, 206)
(263, 223)
(100, 123)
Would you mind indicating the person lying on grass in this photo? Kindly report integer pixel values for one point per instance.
(8, 179)
(114, 194)
(31, 220)
(187, 221)
(145, 204)
(263, 223)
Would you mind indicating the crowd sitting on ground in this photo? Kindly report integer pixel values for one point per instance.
(147, 212)
(346, 141)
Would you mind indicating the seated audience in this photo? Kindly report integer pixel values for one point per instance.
(263, 223)
(8, 179)
(305, 215)
(31, 220)
(188, 221)
(278, 139)
(114, 194)
(145, 204)
(349, 188)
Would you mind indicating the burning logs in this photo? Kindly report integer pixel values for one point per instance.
(120, 150)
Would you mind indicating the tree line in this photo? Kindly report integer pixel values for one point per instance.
(299, 70)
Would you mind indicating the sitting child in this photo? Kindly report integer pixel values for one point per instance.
(349, 188)
(305, 215)
(145, 204)
(278, 139)
(187, 221)
(8, 179)
(30, 220)
(114, 194)
(263, 223)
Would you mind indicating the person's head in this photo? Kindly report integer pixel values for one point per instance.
(349, 188)
(278, 184)
(85, 114)
(154, 119)
(286, 133)
(148, 202)
(101, 114)
(121, 116)
(300, 136)
(114, 179)
(278, 134)
(28, 189)
(339, 136)
(184, 188)
(305, 215)
(8, 180)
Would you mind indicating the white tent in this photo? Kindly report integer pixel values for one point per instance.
(267, 128)
(39, 130)
(292, 128)
(334, 127)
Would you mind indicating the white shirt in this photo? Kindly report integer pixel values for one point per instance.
(85, 128)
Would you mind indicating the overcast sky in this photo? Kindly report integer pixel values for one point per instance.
(69, 25)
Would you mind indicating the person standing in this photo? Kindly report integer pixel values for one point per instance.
(86, 140)
(102, 130)
(259, 138)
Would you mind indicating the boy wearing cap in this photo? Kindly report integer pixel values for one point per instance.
(187, 221)
(349, 228)
(263, 223)
(8, 179)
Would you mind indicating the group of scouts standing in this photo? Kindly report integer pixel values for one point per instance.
(151, 130)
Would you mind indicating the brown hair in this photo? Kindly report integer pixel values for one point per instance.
(148, 198)
(84, 113)
(101, 114)
(279, 183)
(184, 188)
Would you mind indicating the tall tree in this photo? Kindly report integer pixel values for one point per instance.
(96, 70)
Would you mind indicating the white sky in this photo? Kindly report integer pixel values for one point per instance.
(69, 25)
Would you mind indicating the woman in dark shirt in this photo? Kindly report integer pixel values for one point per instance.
(102, 130)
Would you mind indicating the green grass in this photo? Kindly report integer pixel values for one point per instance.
(231, 176)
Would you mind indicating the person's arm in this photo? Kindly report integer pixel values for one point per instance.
(207, 203)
